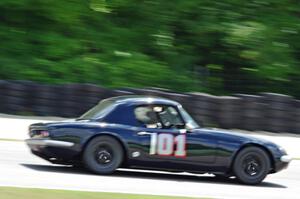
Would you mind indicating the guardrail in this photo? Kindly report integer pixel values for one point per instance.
(266, 112)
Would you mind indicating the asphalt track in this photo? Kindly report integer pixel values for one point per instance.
(19, 168)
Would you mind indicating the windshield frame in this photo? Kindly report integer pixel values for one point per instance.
(189, 121)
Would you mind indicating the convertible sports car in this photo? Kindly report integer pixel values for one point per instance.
(153, 133)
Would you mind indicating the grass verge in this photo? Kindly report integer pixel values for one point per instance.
(31, 193)
(11, 140)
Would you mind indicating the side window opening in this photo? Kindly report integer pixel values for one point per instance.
(146, 116)
(170, 117)
(159, 117)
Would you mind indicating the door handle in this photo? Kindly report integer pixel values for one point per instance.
(143, 133)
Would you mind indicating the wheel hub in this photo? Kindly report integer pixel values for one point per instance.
(103, 157)
(251, 167)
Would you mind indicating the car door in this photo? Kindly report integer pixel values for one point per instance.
(166, 144)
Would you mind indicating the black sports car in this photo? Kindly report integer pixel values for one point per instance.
(153, 133)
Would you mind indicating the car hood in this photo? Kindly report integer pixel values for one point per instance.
(233, 136)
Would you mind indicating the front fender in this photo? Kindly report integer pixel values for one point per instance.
(268, 148)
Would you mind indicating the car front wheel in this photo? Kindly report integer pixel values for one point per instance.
(251, 165)
(103, 155)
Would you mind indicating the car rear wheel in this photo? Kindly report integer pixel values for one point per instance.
(103, 155)
(251, 165)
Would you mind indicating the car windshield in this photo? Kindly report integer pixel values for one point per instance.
(98, 111)
(190, 122)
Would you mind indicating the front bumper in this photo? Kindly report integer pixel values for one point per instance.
(282, 163)
(286, 158)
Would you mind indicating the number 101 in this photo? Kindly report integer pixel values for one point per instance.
(168, 145)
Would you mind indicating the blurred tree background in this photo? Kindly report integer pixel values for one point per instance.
(220, 47)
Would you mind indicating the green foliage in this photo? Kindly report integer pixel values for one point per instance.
(219, 47)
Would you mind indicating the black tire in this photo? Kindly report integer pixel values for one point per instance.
(251, 165)
(103, 155)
